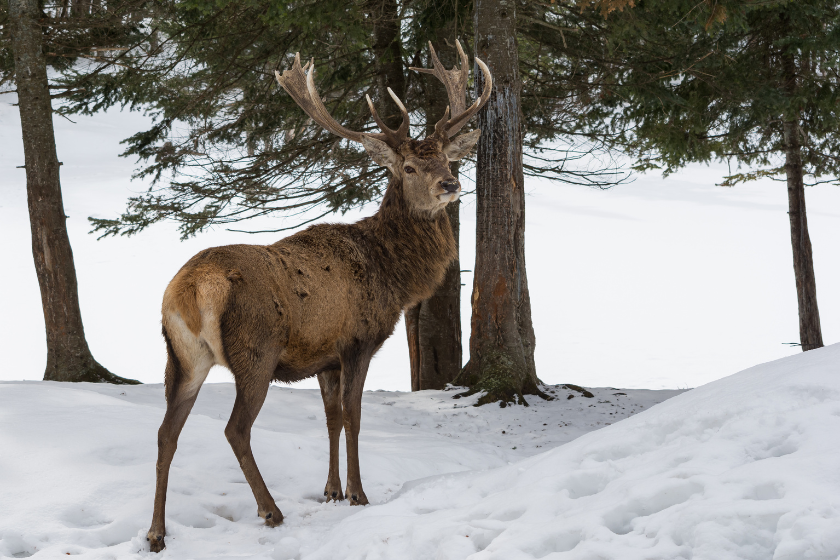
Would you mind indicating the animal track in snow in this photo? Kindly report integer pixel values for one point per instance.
(77, 518)
(224, 512)
(784, 444)
(552, 543)
(507, 515)
(580, 485)
(767, 491)
(612, 453)
(620, 520)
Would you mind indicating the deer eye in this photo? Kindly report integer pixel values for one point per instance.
(409, 169)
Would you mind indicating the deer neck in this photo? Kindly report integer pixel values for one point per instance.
(415, 248)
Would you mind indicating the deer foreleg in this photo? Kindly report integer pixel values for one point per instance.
(330, 382)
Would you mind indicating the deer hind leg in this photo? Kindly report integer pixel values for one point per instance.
(330, 382)
(354, 366)
(184, 376)
(250, 395)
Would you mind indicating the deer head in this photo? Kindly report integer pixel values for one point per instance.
(421, 167)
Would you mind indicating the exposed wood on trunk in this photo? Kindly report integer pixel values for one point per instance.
(502, 337)
(68, 355)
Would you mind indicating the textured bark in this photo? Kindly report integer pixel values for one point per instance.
(68, 355)
(502, 338)
(387, 49)
(810, 334)
(433, 326)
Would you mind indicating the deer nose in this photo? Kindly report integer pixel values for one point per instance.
(451, 185)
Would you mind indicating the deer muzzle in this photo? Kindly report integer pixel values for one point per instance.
(451, 186)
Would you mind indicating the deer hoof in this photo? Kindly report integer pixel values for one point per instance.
(357, 498)
(156, 542)
(273, 518)
(334, 494)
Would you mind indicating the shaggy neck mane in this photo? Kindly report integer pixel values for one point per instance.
(413, 249)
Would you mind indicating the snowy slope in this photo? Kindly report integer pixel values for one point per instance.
(747, 467)
(77, 461)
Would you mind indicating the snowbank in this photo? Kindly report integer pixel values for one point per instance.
(77, 462)
(747, 467)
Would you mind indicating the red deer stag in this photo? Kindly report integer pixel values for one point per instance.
(320, 302)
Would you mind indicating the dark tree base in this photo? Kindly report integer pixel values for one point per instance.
(92, 372)
(499, 379)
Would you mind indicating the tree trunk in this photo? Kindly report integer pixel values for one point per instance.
(502, 337)
(433, 326)
(810, 334)
(388, 53)
(68, 355)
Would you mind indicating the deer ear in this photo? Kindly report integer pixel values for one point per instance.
(461, 146)
(380, 152)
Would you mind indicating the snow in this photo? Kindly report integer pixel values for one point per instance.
(745, 467)
(661, 283)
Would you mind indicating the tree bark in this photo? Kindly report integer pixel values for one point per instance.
(388, 52)
(502, 338)
(433, 326)
(810, 334)
(68, 355)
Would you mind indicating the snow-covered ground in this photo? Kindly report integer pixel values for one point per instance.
(743, 468)
(662, 283)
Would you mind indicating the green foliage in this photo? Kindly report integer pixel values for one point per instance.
(77, 34)
(565, 134)
(227, 143)
(681, 81)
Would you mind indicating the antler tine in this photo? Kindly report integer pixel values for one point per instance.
(393, 137)
(300, 84)
(402, 132)
(455, 82)
(457, 123)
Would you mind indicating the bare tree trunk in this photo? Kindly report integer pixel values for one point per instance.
(68, 355)
(502, 337)
(810, 334)
(433, 326)
(387, 49)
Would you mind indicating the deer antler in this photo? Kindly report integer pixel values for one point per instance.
(455, 82)
(299, 82)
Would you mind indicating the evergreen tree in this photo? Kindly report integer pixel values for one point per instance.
(752, 83)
